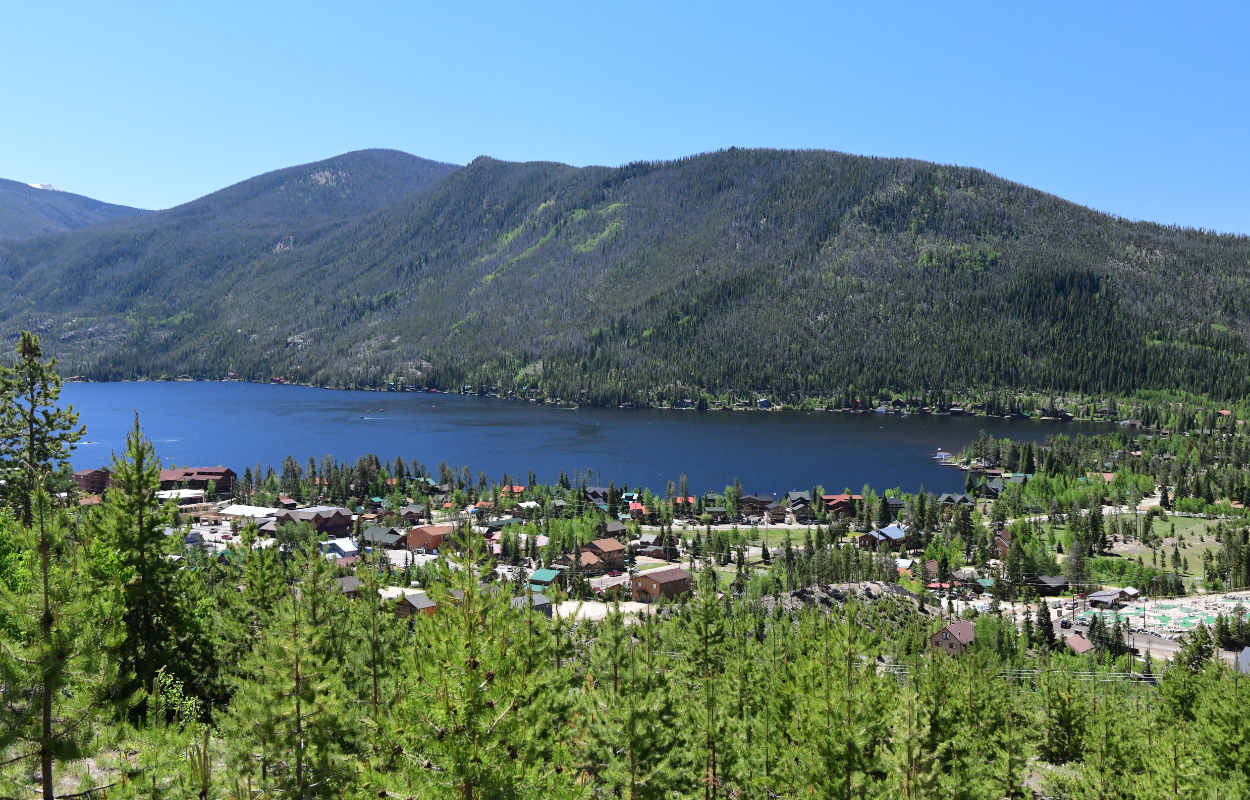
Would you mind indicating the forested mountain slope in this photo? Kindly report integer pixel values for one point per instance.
(787, 272)
(160, 279)
(27, 211)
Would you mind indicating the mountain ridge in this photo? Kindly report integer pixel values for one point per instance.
(783, 272)
(27, 211)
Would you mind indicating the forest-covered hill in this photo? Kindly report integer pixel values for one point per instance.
(784, 272)
(27, 211)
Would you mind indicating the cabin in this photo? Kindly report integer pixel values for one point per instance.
(1002, 543)
(612, 529)
(991, 489)
(842, 505)
(650, 586)
(950, 499)
(754, 504)
(775, 513)
(326, 520)
(611, 553)
(586, 561)
(1078, 644)
(379, 536)
(542, 578)
(411, 604)
(1049, 585)
(414, 514)
(895, 505)
(888, 538)
(349, 586)
(954, 638)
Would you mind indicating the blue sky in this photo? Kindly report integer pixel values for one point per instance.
(1138, 109)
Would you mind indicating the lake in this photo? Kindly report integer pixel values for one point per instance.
(238, 425)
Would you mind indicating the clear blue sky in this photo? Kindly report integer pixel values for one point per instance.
(1138, 109)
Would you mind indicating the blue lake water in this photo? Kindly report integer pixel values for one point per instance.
(238, 425)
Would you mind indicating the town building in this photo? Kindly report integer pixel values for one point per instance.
(429, 537)
(93, 481)
(650, 586)
(199, 478)
(326, 520)
(610, 552)
(954, 638)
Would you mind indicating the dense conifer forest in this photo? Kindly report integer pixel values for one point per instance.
(786, 273)
(131, 666)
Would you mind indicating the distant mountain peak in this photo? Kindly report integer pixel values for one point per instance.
(47, 187)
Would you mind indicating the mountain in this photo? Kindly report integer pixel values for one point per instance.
(785, 272)
(27, 211)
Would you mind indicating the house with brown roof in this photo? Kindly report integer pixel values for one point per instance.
(650, 586)
(954, 637)
(1078, 644)
(610, 551)
(586, 560)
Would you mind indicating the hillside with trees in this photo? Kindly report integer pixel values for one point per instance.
(27, 211)
(787, 273)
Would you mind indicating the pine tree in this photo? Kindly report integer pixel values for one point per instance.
(487, 693)
(132, 525)
(630, 721)
(55, 637)
(288, 718)
(36, 435)
(700, 634)
(1045, 628)
(844, 714)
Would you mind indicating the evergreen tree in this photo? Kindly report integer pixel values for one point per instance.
(55, 639)
(700, 634)
(486, 694)
(36, 435)
(288, 718)
(132, 524)
(1045, 628)
(630, 721)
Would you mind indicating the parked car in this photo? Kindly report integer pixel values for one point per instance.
(1067, 623)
